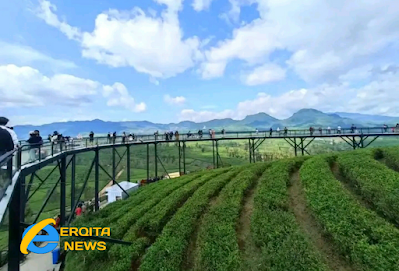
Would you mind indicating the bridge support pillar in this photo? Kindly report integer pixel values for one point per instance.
(213, 153)
(250, 150)
(14, 228)
(253, 150)
(148, 161)
(156, 160)
(179, 146)
(73, 174)
(184, 157)
(217, 154)
(23, 198)
(128, 162)
(62, 190)
(96, 180)
(113, 166)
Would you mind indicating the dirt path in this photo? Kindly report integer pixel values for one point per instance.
(250, 253)
(310, 227)
(190, 258)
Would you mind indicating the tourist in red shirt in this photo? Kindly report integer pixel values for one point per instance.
(78, 210)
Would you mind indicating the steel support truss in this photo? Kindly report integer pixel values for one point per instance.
(358, 143)
(22, 194)
(217, 160)
(182, 157)
(298, 144)
(253, 145)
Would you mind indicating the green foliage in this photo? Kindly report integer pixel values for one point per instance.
(217, 240)
(274, 227)
(376, 183)
(365, 239)
(390, 156)
(151, 223)
(167, 253)
(134, 208)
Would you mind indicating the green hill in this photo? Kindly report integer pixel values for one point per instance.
(301, 119)
(326, 212)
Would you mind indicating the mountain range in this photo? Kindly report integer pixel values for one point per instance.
(304, 118)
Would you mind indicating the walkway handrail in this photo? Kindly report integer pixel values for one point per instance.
(291, 132)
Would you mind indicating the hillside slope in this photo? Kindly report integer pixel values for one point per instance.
(264, 216)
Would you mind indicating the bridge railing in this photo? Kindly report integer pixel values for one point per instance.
(9, 164)
(31, 153)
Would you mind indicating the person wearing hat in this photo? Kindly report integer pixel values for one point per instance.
(8, 138)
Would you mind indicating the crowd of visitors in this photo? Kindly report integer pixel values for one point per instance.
(9, 140)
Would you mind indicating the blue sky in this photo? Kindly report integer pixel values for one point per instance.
(172, 60)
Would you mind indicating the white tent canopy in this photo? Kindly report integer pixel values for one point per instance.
(115, 192)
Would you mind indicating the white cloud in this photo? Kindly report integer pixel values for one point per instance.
(25, 55)
(46, 11)
(264, 74)
(25, 86)
(199, 116)
(200, 5)
(378, 97)
(153, 46)
(118, 95)
(28, 87)
(336, 37)
(179, 100)
(211, 70)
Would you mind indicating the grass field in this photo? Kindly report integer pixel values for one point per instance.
(335, 211)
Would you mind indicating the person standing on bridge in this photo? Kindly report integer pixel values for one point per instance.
(109, 138)
(271, 132)
(311, 129)
(8, 138)
(113, 138)
(339, 130)
(278, 131)
(256, 131)
(35, 141)
(329, 130)
(91, 137)
(285, 131)
(124, 138)
(321, 130)
(385, 128)
(177, 135)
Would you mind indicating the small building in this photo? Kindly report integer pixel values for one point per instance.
(115, 193)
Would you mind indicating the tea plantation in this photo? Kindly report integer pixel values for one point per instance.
(329, 212)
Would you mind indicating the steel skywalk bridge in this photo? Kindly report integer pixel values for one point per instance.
(16, 167)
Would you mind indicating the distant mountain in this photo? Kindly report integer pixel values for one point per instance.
(369, 118)
(260, 120)
(301, 119)
(313, 117)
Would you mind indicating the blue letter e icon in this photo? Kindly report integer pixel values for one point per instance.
(52, 240)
